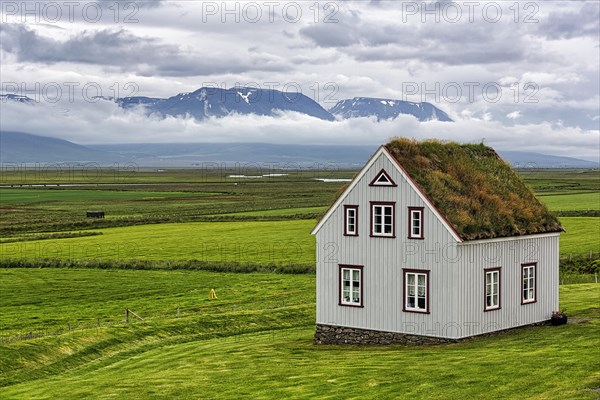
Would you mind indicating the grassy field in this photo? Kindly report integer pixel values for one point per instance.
(253, 241)
(152, 215)
(62, 330)
(53, 209)
(555, 181)
(270, 241)
(572, 202)
(582, 235)
(51, 297)
(255, 341)
(29, 197)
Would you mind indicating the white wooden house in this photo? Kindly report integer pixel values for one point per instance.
(433, 242)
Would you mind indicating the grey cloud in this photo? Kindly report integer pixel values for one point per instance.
(343, 33)
(120, 48)
(392, 39)
(570, 24)
(449, 44)
(331, 35)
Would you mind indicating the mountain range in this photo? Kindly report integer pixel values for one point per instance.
(216, 102)
(387, 109)
(17, 147)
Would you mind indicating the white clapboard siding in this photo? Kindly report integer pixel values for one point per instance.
(508, 254)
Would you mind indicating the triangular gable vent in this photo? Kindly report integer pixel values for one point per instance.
(382, 179)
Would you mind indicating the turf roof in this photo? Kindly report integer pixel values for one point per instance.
(474, 189)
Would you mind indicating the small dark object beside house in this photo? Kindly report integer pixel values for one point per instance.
(94, 214)
(558, 318)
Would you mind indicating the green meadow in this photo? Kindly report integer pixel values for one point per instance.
(63, 332)
(255, 341)
(251, 241)
(582, 235)
(572, 202)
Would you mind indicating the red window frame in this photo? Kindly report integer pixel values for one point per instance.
(410, 223)
(425, 272)
(371, 221)
(346, 208)
(535, 283)
(362, 285)
(485, 272)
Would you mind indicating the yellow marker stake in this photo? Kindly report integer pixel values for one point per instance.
(212, 294)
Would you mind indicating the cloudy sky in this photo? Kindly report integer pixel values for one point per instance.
(521, 76)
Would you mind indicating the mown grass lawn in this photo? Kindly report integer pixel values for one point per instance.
(254, 241)
(264, 350)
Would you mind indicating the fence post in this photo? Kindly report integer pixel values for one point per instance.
(596, 276)
(126, 315)
(178, 314)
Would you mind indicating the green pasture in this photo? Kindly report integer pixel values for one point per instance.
(283, 211)
(255, 341)
(249, 241)
(63, 333)
(39, 196)
(561, 180)
(582, 235)
(79, 297)
(572, 202)
(253, 241)
(38, 209)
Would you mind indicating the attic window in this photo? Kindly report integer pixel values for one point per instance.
(383, 179)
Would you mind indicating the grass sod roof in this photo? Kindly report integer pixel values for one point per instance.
(474, 189)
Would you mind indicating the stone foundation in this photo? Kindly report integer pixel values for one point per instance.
(330, 334)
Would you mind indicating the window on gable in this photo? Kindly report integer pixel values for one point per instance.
(351, 285)
(383, 215)
(351, 220)
(415, 222)
(382, 179)
(416, 291)
(492, 289)
(528, 279)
